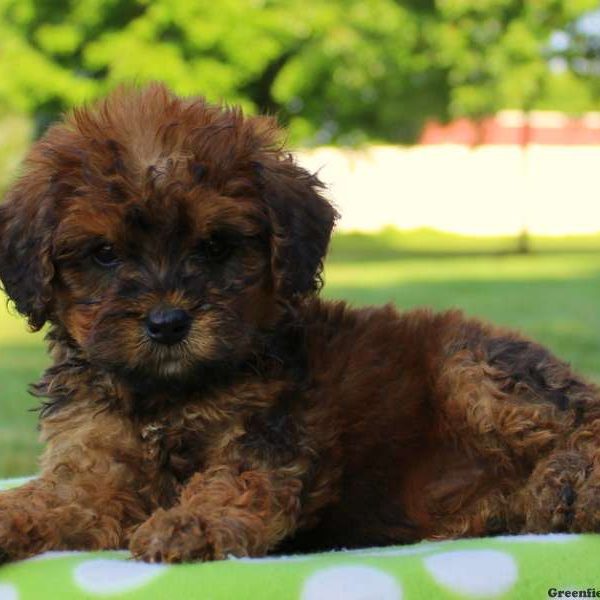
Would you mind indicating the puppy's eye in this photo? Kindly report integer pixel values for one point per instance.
(105, 256)
(217, 248)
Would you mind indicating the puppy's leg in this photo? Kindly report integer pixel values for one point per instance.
(88, 496)
(222, 512)
(46, 514)
(587, 502)
(519, 413)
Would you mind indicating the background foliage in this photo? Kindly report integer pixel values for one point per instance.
(339, 71)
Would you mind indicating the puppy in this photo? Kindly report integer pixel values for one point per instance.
(203, 402)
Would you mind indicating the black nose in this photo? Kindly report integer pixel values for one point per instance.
(168, 326)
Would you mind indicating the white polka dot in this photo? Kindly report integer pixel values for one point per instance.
(8, 592)
(557, 538)
(105, 576)
(473, 572)
(351, 583)
(7, 484)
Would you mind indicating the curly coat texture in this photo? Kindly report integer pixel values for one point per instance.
(280, 422)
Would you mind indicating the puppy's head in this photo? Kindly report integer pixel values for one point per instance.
(160, 233)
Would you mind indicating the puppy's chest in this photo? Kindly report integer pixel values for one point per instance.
(174, 447)
(180, 445)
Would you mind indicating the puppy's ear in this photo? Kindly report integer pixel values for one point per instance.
(301, 224)
(26, 269)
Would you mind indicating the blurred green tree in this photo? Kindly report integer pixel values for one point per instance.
(498, 54)
(339, 71)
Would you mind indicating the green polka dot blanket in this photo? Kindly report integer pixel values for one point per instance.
(523, 567)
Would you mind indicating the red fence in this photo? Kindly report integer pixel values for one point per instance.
(514, 127)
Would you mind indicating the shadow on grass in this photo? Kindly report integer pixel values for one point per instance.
(391, 244)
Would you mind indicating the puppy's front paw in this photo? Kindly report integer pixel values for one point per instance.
(16, 537)
(174, 536)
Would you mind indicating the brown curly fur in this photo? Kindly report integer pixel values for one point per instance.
(281, 422)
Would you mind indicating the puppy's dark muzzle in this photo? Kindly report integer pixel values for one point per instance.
(168, 326)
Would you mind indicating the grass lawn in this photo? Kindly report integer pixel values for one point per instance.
(552, 295)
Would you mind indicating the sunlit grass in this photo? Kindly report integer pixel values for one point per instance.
(15, 136)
